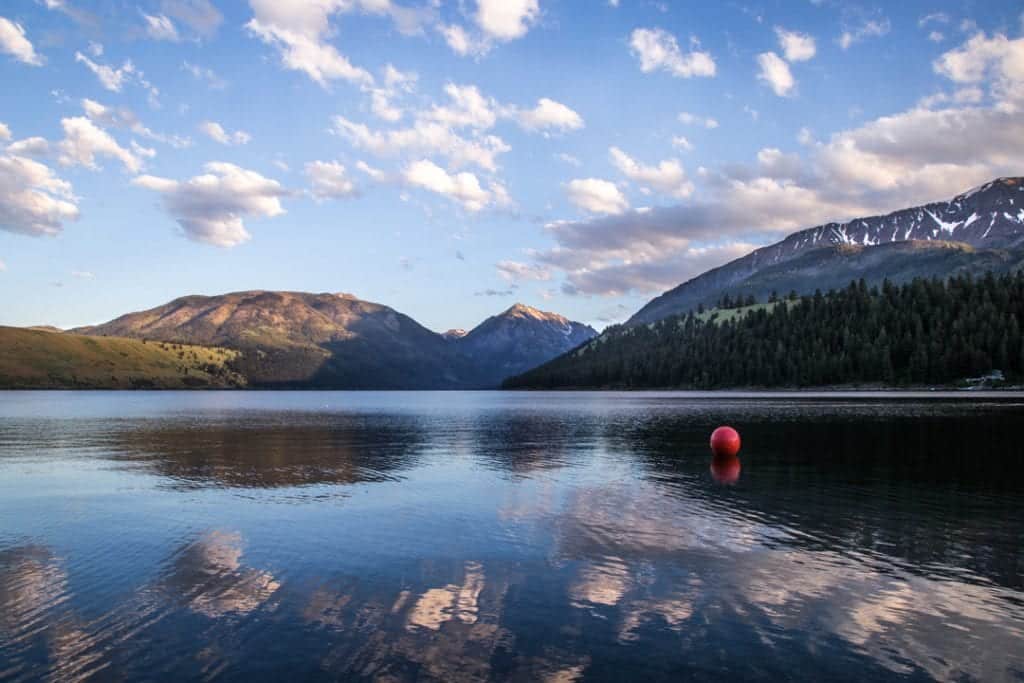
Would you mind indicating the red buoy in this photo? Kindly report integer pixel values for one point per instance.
(725, 441)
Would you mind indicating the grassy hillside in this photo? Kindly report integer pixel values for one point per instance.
(39, 359)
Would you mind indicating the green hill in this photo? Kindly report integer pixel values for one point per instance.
(39, 359)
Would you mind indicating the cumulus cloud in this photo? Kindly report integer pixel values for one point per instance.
(682, 142)
(506, 19)
(199, 15)
(549, 114)
(121, 117)
(210, 207)
(872, 28)
(329, 180)
(5, 132)
(461, 42)
(299, 31)
(160, 27)
(657, 49)
(216, 132)
(689, 119)
(796, 46)
(668, 177)
(996, 60)
(30, 147)
(775, 72)
(14, 42)
(111, 78)
(463, 188)
(205, 74)
(83, 142)
(596, 196)
(33, 199)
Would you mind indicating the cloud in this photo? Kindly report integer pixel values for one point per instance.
(937, 17)
(199, 15)
(997, 60)
(568, 159)
(668, 177)
(461, 42)
(467, 108)
(216, 132)
(514, 271)
(299, 32)
(83, 274)
(681, 142)
(33, 200)
(121, 117)
(5, 132)
(658, 49)
(14, 43)
(205, 74)
(872, 28)
(775, 72)
(689, 119)
(210, 207)
(463, 188)
(111, 78)
(84, 141)
(549, 114)
(159, 27)
(494, 292)
(329, 180)
(30, 147)
(424, 137)
(796, 46)
(596, 196)
(506, 20)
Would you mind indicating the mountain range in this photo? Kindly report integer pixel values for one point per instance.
(977, 231)
(298, 339)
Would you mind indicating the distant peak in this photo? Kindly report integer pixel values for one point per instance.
(455, 333)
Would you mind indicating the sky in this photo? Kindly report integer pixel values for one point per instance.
(449, 158)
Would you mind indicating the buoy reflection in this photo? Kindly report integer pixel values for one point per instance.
(725, 469)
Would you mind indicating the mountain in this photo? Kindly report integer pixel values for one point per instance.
(518, 339)
(975, 231)
(41, 359)
(298, 339)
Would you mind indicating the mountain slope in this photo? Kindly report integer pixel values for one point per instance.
(39, 359)
(293, 339)
(518, 339)
(297, 339)
(990, 217)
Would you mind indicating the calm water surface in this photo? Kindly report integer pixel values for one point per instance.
(509, 536)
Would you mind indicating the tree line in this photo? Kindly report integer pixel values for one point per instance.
(925, 332)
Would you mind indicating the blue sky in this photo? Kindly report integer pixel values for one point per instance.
(451, 158)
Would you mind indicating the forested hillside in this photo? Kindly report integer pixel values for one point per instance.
(924, 332)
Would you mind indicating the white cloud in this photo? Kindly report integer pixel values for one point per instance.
(373, 172)
(83, 274)
(668, 177)
(14, 43)
(798, 47)
(329, 180)
(83, 142)
(658, 49)
(514, 271)
(300, 31)
(111, 78)
(199, 15)
(216, 132)
(120, 117)
(30, 147)
(463, 188)
(689, 119)
(596, 196)
(467, 108)
(567, 158)
(681, 142)
(5, 132)
(160, 27)
(997, 60)
(937, 17)
(775, 72)
(506, 19)
(936, 37)
(424, 137)
(873, 28)
(210, 207)
(461, 42)
(209, 76)
(550, 114)
(33, 200)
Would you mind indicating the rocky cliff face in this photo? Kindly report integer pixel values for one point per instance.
(987, 218)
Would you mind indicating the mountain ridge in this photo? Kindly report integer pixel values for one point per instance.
(990, 216)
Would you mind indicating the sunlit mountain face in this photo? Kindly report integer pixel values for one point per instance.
(449, 159)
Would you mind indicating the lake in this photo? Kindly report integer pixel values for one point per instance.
(510, 536)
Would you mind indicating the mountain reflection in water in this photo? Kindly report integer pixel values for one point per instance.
(508, 536)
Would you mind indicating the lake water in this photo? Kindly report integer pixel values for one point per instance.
(522, 536)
